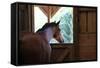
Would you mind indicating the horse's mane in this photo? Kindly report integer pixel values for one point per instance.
(47, 25)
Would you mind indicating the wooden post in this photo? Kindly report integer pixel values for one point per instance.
(49, 14)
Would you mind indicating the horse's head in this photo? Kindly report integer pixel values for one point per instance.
(57, 34)
(53, 31)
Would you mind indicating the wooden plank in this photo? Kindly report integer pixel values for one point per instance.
(33, 28)
(58, 54)
(87, 9)
(87, 45)
(83, 22)
(91, 22)
(87, 39)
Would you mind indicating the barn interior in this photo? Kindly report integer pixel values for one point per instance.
(84, 43)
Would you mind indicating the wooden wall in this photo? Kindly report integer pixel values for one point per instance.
(25, 18)
(87, 33)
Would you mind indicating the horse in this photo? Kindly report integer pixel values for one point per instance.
(35, 47)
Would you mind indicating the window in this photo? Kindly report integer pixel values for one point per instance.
(62, 14)
(65, 15)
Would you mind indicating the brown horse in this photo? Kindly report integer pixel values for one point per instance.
(35, 47)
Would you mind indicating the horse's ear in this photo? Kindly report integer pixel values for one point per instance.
(58, 22)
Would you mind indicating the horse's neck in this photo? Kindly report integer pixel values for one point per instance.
(47, 34)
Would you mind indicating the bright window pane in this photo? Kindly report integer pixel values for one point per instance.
(65, 15)
(40, 18)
